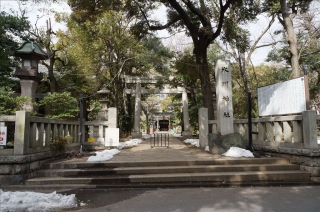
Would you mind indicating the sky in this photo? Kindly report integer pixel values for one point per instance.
(33, 13)
(179, 41)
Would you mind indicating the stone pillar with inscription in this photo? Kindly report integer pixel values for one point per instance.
(224, 98)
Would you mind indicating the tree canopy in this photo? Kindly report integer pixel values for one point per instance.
(12, 31)
(105, 40)
(202, 21)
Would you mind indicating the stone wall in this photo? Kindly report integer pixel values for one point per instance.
(15, 169)
(308, 159)
(32, 137)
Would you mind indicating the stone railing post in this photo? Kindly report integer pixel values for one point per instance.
(203, 126)
(22, 133)
(309, 129)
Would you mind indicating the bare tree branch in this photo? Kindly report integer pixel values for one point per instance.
(223, 9)
(167, 25)
(158, 27)
(253, 48)
(268, 44)
(204, 20)
(233, 54)
(194, 30)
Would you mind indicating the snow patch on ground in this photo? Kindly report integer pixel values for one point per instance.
(193, 142)
(146, 136)
(238, 152)
(206, 149)
(103, 156)
(34, 201)
(108, 154)
(130, 143)
(177, 135)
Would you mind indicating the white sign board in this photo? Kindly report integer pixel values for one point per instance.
(112, 137)
(3, 136)
(282, 98)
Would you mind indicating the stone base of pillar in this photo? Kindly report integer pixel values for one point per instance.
(186, 133)
(136, 135)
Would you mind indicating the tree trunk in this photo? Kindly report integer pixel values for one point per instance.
(292, 39)
(193, 97)
(201, 58)
(125, 100)
(244, 71)
(116, 94)
(53, 81)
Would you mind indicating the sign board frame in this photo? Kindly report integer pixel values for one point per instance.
(3, 136)
(112, 137)
(288, 97)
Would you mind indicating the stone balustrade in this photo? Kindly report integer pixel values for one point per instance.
(295, 131)
(293, 137)
(32, 137)
(96, 129)
(34, 134)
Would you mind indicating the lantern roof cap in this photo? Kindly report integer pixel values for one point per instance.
(103, 90)
(32, 48)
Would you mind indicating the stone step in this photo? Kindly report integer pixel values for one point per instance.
(291, 175)
(162, 170)
(64, 187)
(115, 164)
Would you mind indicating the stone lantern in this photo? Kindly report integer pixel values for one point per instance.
(31, 53)
(103, 113)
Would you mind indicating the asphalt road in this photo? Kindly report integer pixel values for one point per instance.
(248, 199)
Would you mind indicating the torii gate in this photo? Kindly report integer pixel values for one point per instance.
(139, 90)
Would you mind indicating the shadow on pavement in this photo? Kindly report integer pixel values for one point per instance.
(95, 198)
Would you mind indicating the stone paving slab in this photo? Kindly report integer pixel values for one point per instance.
(177, 151)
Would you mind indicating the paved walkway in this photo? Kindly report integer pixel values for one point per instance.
(177, 151)
(233, 199)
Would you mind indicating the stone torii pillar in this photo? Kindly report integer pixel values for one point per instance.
(153, 80)
(185, 110)
(137, 110)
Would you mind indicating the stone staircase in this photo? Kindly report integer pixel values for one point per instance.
(216, 172)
